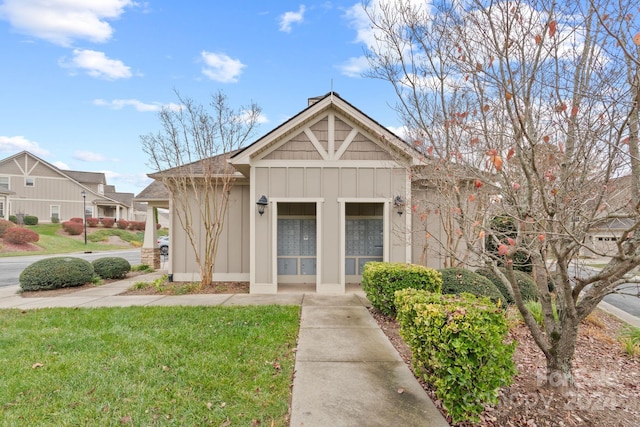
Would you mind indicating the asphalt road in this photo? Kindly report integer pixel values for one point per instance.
(628, 303)
(11, 267)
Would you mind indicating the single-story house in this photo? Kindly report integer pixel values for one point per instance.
(315, 199)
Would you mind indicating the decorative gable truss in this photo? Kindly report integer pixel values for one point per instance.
(330, 138)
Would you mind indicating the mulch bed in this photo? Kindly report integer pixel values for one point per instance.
(607, 391)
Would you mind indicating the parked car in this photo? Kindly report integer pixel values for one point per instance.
(163, 244)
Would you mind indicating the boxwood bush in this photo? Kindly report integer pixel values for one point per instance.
(30, 220)
(459, 280)
(524, 281)
(380, 281)
(55, 273)
(459, 346)
(111, 267)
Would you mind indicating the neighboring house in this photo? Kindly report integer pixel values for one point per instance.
(337, 188)
(32, 186)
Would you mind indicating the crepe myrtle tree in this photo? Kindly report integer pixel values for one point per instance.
(527, 110)
(189, 155)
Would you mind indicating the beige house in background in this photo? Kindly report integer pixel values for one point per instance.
(32, 186)
(315, 199)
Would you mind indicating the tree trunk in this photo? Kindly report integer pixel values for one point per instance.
(560, 358)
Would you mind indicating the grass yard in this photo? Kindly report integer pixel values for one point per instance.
(52, 241)
(147, 366)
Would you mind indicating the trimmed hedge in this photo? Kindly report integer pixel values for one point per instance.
(5, 225)
(108, 222)
(456, 281)
(459, 346)
(380, 281)
(92, 222)
(122, 224)
(20, 236)
(524, 282)
(55, 273)
(30, 220)
(73, 227)
(111, 267)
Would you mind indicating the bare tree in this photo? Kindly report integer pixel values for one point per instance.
(523, 109)
(190, 156)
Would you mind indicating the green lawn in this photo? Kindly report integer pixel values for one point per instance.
(52, 242)
(147, 366)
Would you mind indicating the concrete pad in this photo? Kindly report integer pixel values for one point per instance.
(331, 300)
(359, 394)
(345, 345)
(7, 291)
(54, 302)
(101, 291)
(336, 317)
(264, 299)
(16, 301)
(121, 301)
(192, 300)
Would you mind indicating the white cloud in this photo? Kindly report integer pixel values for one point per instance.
(61, 165)
(63, 21)
(119, 104)
(290, 18)
(14, 144)
(90, 156)
(360, 21)
(96, 64)
(355, 66)
(221, 67)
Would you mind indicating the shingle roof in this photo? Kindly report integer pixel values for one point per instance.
(86, 177)
(154, 191)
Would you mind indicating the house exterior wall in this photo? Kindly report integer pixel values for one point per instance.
(232, 260)
(51, 188)
(330, 188)
(47, 191)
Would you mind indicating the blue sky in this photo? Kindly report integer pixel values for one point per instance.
(81, 80)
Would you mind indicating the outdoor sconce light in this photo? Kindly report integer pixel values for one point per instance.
(398, 203)
(262, 203)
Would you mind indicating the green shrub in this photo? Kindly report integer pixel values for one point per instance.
(20, 236)
(55, 220)
(459, 280)
(524, 282)
(30, 220)
(5, 225)
(535, 308)
(111, 267)
(380, 281)
(13, 219)
(55, 273)
(459, 346)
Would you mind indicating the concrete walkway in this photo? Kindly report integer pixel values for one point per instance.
(347, 373)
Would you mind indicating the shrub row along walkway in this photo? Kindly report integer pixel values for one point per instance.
(346, 372)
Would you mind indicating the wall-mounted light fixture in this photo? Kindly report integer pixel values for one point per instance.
(398, 203)
(262, 204)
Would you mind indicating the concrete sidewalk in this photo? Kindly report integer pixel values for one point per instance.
(347, 373)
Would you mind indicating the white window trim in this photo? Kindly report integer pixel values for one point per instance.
(26, 181)
(51, 211)
(8, 182)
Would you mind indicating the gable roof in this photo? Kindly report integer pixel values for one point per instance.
(79, 177)
(319, 106)
(87, 177)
